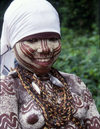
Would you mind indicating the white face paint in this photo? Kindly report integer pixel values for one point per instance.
(37, 55)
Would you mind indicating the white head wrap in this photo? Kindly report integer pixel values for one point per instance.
(24, 18)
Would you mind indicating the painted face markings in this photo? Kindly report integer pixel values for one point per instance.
(46, 45)
(58, 49)
(42, 46)
(38, 55)
(20, 59)
(31, 50)
(45, 48)
(25, 51)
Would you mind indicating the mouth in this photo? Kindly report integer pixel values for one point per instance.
(43, 61)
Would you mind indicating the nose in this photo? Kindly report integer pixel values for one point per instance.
(45, 47)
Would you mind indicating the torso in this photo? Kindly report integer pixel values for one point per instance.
(31, 115)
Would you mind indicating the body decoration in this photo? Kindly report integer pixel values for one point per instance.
(56, 113)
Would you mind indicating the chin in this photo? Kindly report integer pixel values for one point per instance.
(41, 72)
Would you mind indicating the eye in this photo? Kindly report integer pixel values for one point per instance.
(32, 40)
(53, 39)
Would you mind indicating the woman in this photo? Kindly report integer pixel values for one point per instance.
(35, 95)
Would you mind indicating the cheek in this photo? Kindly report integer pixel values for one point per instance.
(22, 58)
(57, 49)
(27, 50)
(22, 53)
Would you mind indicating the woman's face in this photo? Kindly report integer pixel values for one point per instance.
(37, 55)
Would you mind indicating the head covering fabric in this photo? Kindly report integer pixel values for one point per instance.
(24, 18)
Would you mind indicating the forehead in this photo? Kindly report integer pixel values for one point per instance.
(45, 35)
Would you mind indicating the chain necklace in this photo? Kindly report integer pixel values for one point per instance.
(56, 114)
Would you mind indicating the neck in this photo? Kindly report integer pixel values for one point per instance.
(44, 77)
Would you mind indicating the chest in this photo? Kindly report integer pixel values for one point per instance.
(31, 114)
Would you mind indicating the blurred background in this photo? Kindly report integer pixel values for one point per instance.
(80, 30)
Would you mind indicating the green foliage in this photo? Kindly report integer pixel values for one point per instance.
(77, 14)
(81, 55)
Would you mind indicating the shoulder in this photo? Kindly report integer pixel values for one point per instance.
(77, 86)
(7, 84)
(73, 80)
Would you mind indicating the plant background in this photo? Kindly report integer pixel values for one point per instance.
(80, 30)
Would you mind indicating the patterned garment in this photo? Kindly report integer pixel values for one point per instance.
(19, 111)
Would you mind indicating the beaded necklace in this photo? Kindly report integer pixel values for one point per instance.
(56, 114)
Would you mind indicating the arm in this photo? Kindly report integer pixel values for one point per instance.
(8, 105)
(92, 118)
